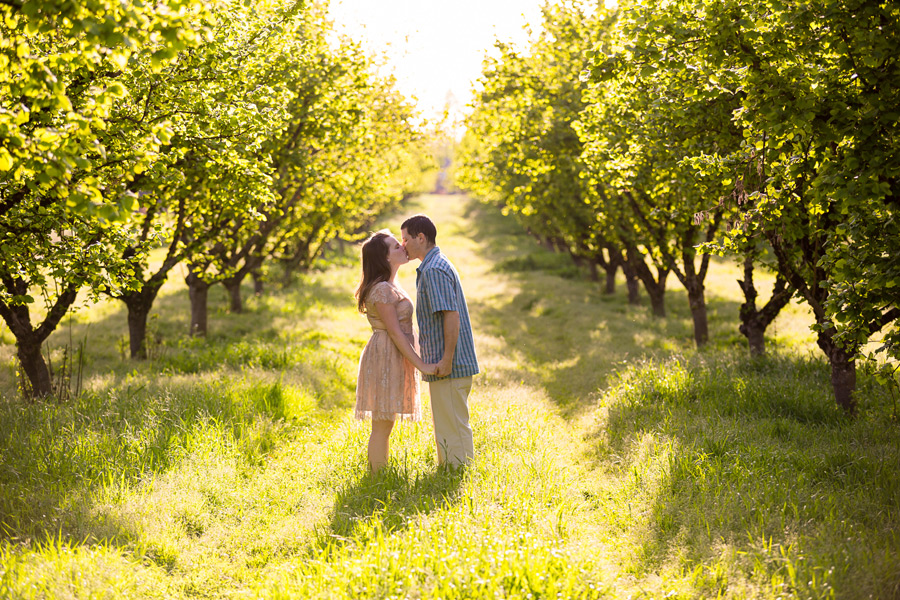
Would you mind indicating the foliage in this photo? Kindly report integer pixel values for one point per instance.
(767, 131)
(520, 150)
(61, 65)
(177, 127)
(813, 87)
(340, 155)
(65, 161)
(595, 167)
(222, 100)
(342, 159)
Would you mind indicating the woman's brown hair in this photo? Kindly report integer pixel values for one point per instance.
(375, 266)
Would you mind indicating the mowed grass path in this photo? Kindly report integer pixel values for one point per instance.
(613, 459)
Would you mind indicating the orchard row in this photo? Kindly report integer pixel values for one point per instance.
(651, 136)
(227, 136)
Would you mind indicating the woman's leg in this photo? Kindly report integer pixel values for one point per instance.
(380, 444)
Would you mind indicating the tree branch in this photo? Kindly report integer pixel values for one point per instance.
(877, 325)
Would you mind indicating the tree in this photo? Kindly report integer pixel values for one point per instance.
(521, 150)
(817, 86)
(644, 117)
(222, 99)
(65, 166)
(337, 159)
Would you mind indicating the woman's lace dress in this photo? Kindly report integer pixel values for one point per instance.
(388, 385)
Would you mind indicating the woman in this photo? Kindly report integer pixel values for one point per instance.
(388, 387)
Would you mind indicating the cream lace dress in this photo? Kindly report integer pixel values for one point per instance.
(388, 385)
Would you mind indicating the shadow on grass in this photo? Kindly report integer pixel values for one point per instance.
(138, 417)
(56, 456)
(387, 501)
(754, 455)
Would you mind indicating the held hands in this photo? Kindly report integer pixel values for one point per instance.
(429, 369)
(437, 369)
(443, 368)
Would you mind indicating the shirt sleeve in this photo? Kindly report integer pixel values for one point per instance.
(439, 290)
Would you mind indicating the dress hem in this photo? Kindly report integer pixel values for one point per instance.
(388, 416)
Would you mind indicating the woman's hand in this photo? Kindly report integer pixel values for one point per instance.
(430, 369)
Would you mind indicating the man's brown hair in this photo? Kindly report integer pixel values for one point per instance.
(417, 224)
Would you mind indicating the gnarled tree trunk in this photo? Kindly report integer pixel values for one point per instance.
(697, 301)
(233, 285)
(609, 287)
(257, 282)
(592, 269)
(199, 293)
(632, 285)
(843, 369)
(611, 266)
(843, 378)
(34, 366)
(657, 294)
(29, 338)
(755, 322)
(655, 286)
(139, 304)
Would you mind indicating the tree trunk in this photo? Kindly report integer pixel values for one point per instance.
(655, 286)
(30, 338)
(577, 259)
(697, 301)
(843, 370)
(754, 322)
(595, 274)
(288, 274)
(137, 329)
(199, 293)
(751, 327)
(233, 285)
(657, 295)
(632, 285)
(257, 282)
(610, 286)
(139, 305)
(29, 352)
(843, 379)
(756, 336)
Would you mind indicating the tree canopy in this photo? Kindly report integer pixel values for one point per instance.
(766, 130)
(227, 132)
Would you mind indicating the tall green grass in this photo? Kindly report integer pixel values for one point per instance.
(745, 476)
(613, 459)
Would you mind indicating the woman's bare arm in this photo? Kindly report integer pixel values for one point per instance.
(387, 312)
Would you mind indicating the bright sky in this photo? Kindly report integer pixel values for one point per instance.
(433, 47)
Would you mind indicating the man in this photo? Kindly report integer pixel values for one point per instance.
(445, 338)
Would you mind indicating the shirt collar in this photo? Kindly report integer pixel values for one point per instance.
(430, 256)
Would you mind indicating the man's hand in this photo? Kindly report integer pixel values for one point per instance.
(443, 368)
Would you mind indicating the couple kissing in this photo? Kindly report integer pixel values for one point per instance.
(387, 387)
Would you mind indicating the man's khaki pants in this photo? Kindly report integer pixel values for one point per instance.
(450, 409)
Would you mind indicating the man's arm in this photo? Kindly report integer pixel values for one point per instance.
(451, 335)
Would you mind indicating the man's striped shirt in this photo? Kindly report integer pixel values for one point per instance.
(438, 289)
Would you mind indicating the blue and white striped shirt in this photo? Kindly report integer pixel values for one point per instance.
(438, 289)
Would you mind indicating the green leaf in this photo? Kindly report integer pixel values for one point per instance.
(6, 160)
(116, 88)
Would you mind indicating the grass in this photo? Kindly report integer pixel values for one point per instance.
(613, 459)
(748, 481)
